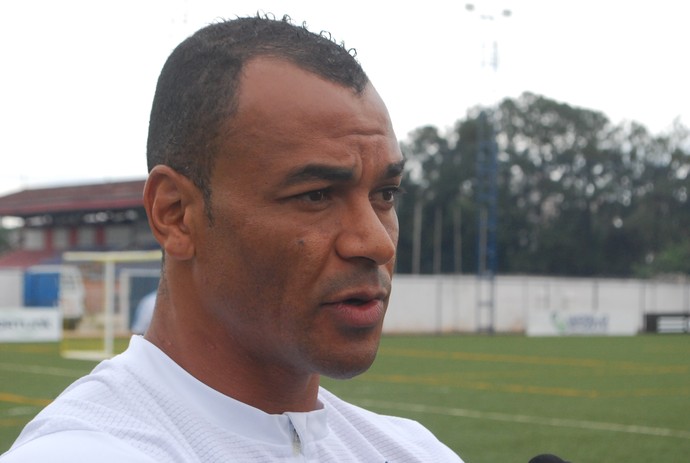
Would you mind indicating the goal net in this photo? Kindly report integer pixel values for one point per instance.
(114, 282)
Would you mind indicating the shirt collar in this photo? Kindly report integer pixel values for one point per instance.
(220, 409)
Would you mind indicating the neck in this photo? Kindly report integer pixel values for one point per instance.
(216, 361)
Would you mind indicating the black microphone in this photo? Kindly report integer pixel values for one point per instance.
(547, 458)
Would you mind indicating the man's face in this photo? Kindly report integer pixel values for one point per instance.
(296, 267)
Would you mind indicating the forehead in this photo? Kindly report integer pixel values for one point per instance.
(283, 108)
(269, 85)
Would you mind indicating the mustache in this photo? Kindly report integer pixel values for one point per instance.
(358, 280)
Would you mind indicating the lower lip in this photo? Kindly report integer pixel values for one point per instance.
(365, 315)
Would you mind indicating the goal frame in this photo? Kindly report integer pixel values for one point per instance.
(108, 259)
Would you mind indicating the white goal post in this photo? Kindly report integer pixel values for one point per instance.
(109, 260)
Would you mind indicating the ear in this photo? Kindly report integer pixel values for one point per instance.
(172, 204)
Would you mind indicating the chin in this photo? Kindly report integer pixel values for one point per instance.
(344, 373)
(348, 367)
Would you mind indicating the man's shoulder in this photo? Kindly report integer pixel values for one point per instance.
(407, 439)
(353, 411)
(106, 386)
(108, 398)
(73, 446)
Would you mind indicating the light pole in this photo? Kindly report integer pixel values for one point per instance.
(486, 189)
(490, 20)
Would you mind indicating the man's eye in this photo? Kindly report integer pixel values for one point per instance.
(389, 194)
(315, 196)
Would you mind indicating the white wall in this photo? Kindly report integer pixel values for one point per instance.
(11, 288)
(447, 303)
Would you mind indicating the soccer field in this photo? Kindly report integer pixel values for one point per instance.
(490, 398)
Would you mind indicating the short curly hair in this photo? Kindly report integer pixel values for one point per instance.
(197, 88)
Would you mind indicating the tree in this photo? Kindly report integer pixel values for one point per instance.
(577, 195)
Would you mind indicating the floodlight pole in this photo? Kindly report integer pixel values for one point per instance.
(487, 197)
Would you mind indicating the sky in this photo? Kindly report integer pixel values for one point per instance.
(78, 76)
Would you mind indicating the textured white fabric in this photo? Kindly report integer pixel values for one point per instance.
(142, 407)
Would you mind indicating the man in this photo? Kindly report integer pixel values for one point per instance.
(273, 173)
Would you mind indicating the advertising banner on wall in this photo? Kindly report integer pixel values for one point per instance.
(30, 325)
(667, 323)
(592, 323)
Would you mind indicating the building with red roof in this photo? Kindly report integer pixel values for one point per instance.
(96, 217)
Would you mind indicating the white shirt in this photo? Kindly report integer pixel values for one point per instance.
(142, 407)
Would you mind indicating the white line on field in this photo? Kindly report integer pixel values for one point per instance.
(557, 422)
(34, 369)
(22, 411)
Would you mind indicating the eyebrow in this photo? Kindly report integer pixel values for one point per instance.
(326, 172)
(318, 172)
(395, 169)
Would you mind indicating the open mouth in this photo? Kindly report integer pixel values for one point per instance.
(357, 312)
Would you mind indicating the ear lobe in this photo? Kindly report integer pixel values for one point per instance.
(170, 200)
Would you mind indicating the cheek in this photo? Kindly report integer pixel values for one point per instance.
(269, 260)
(285, 267)
(308, 253)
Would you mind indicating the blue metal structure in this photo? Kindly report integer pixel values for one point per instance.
(487, 198)
(41, 289)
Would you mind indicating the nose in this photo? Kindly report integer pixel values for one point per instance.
(367, 233)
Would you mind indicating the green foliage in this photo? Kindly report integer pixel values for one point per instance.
(673, 259)
(577, 195)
